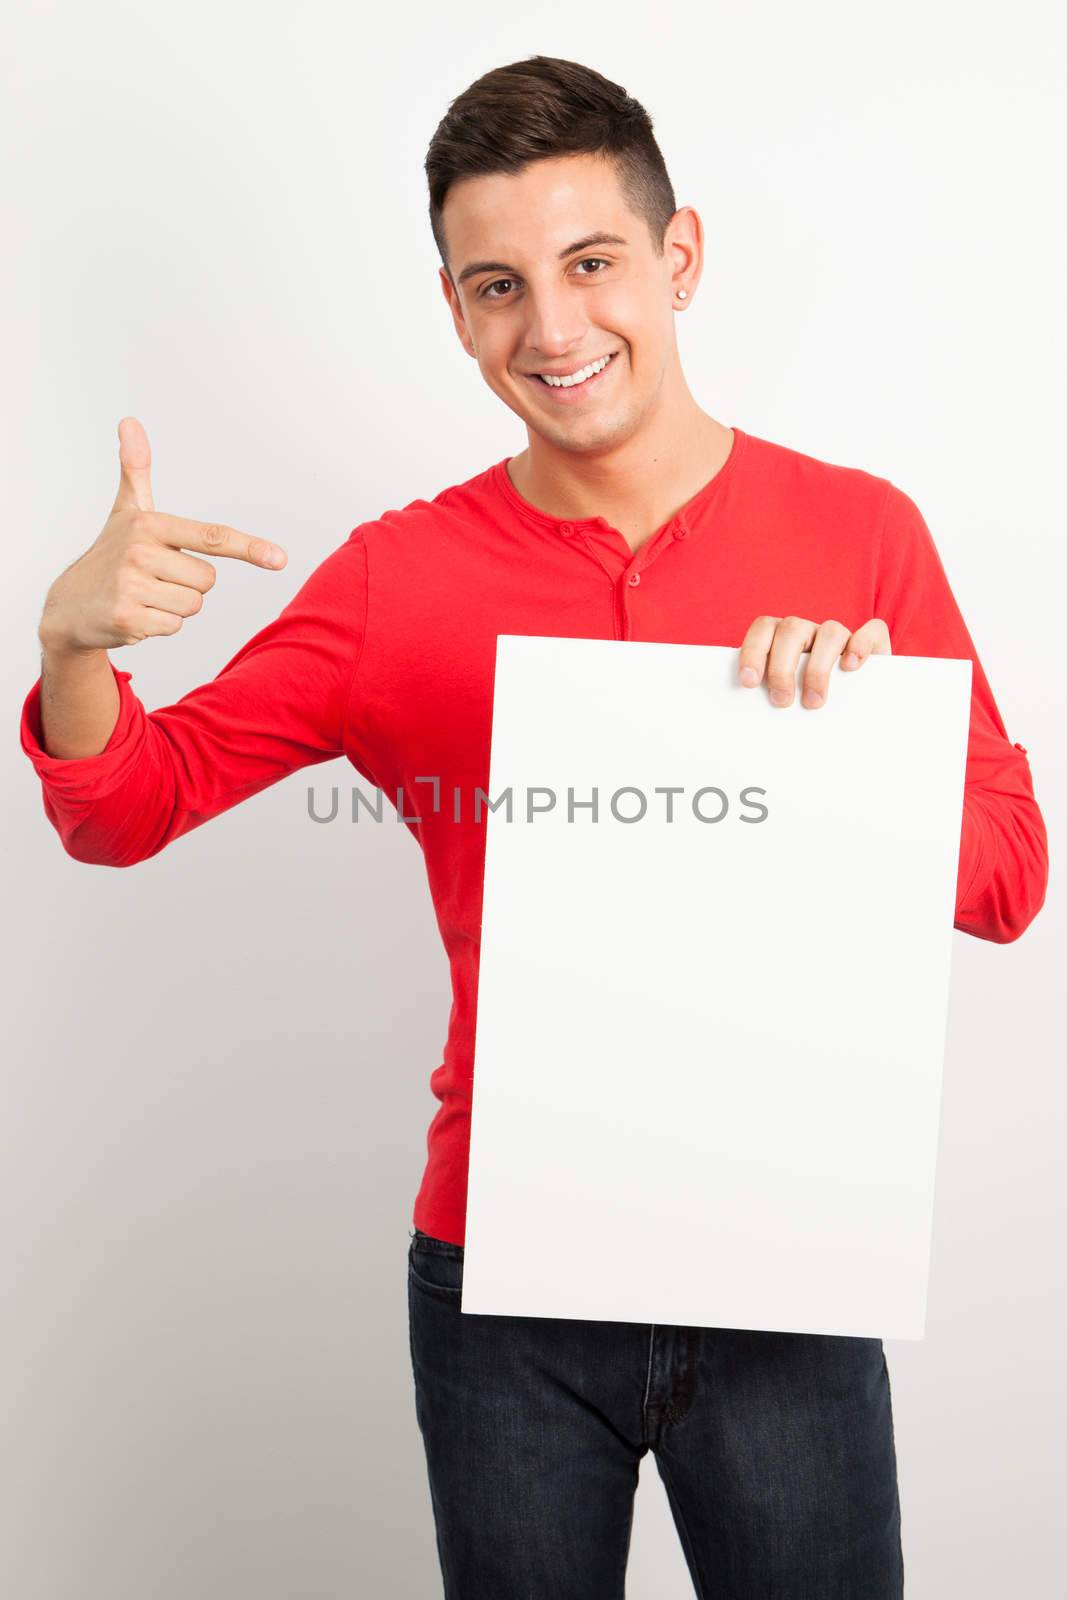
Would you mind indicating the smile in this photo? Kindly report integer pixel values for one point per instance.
(585, 378)
(581, 376)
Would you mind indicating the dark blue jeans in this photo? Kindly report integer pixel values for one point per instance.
(776, 1451)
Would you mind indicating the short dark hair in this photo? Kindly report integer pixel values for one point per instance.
(543, 107)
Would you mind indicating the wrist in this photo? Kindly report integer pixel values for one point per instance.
(60, 650)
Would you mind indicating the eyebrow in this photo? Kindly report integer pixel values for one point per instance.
(474, 267)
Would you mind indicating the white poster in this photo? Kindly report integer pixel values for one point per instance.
(712, 1013)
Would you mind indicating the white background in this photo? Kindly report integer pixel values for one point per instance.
(216, 1092)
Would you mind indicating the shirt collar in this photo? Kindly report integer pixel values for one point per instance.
(565, 526)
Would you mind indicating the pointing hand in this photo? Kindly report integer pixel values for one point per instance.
(134, 582)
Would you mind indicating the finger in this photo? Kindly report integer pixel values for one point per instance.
(174, 566)
(870, 640)
(146, 622)
(135, 468)
(158, 624)
(828, 644)
(754, 646)
(172, 597)
(214, 539)
(792, 637)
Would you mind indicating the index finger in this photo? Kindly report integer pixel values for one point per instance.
(754, 647)
(215, 539)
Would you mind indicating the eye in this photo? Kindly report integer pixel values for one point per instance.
(586, 261)
(484, 293)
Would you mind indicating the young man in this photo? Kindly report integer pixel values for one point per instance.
(631, 514)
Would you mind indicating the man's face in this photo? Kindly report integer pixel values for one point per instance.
(534, 305)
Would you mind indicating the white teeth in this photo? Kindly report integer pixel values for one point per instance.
(576, 377)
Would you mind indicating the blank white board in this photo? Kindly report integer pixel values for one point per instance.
(708, 1054)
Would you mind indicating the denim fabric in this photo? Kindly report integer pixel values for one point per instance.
(776, 1450)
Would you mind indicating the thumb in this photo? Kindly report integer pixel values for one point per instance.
(135, 468)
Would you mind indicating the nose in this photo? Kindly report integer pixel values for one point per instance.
(556, 325)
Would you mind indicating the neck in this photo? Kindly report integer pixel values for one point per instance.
(637, 484)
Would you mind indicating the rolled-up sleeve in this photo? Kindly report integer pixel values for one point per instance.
(1003, 862)
(284, 701)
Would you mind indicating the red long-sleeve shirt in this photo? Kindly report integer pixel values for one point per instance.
(386, 656)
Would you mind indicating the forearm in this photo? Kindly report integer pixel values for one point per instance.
(79, 702)
(160, 774)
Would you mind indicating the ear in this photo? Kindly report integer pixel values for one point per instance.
(684, 245)
(457, 312)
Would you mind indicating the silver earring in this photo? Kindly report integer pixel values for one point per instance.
(682, 293)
